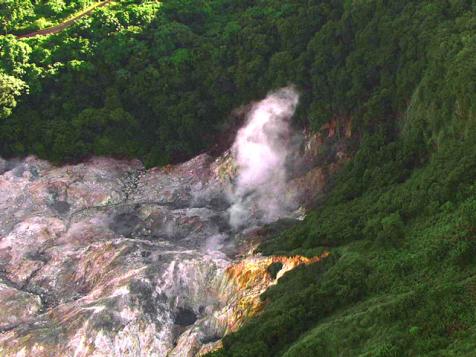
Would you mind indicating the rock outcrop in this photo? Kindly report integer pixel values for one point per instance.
(105, 258)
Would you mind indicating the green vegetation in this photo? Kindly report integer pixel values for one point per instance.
(401, 279)
(22, 16)
(10, 88)
(400, 220)
(173, 71)
(274, 269)
(157, 81)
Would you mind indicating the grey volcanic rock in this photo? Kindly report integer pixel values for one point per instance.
(105, 258)
(185, 317)
(17, 306)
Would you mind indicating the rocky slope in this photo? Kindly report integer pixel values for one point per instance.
(105, 258)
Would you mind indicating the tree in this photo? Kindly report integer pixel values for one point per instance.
(14, 11)
(10, 88)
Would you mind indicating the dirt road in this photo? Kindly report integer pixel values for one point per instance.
(65, 24)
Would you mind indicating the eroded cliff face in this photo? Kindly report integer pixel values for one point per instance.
(105, 258)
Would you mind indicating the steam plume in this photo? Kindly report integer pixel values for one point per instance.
(260, 150)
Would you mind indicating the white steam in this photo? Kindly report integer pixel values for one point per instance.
(260, 151)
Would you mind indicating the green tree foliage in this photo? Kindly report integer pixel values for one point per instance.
(22, 16)
(10, 89)
(180, 67)
(14, 12)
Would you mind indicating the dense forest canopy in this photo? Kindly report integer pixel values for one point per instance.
(158, 81)
(20, 16)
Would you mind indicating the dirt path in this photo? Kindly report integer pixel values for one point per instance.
(60, 27)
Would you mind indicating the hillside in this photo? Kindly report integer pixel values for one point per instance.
(159, 81)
